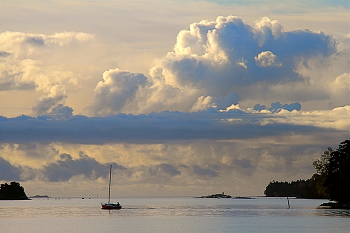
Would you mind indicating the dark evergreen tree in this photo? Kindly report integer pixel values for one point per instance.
(338, 174)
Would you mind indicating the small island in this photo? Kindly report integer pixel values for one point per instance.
(12, 191)
(223, 195)
(244, 197)
(218, 195)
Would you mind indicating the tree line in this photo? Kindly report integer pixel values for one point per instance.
(331, 180)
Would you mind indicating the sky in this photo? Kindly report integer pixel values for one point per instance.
(183, 98)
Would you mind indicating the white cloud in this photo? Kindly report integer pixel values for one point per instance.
(266, 58)
(219, 103)
(203, 102)
(51, 104)
(117, 89)
(340, 90)
(21, 45)
(267, 28)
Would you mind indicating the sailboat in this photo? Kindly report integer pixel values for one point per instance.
(110, 205)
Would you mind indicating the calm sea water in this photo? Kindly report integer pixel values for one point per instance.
(171, 214)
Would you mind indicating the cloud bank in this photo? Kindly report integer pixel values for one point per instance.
(174, 126)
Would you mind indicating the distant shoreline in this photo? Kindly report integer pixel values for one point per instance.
(39, 196)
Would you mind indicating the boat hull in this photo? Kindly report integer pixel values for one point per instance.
(111, 206)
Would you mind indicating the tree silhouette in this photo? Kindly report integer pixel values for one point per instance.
(299, 188)
(331, 180)
(338, 174)
(12, 191)
(321, 166)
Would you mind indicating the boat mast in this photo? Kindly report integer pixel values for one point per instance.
(109, 186)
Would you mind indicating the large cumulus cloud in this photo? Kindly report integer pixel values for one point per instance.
(225, 54)
(217, 63)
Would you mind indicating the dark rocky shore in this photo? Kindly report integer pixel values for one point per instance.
(333, 205)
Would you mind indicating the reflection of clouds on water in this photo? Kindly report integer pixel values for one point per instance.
(171, 206)
(173, 214)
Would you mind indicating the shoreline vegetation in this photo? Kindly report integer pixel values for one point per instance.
(12, 191)
(331, 180)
